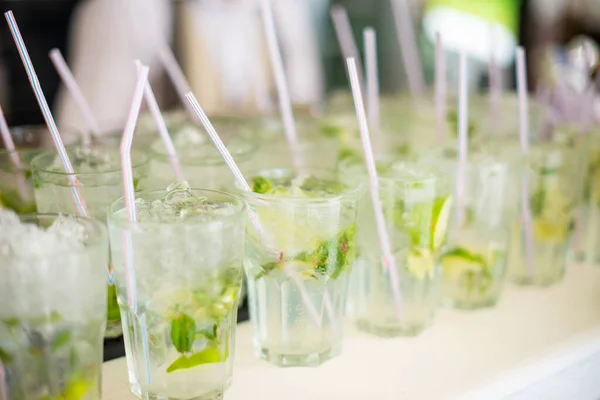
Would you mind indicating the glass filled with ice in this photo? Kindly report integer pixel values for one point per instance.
(99, 181)
(539, 256)
(185, 252)
(474, 262)
(201, 162)
(52, 306)
(416, 205)
(299, 253)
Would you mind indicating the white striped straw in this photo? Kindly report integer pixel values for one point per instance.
(71, 84)
(161, 126)
(41, 99)
(494, 77)
(127, 175)
(169, 62)
(408, 46)
(343, 31)
(9, 144)
(373, 108)
(440, 88)
(239, 177)
(285, 102)
(3, 382)
(388, 260)
(524, 140)
(463, 139)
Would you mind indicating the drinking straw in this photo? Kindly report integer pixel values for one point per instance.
(239, 177)
(285, 102)
(69, 81)
(9, 144)
(41, 99)
(388, 260)
(524, 140)
(129, 200)
(343, 31)
(169, 62)
(3, 382)
(494, 77)
(440, 87)
(408, 46)
(161, 125)
(463, 139)
(372, 80)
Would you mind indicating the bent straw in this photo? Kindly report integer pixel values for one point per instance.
(408, 46)
(129, 200)
(71, 84)
(169, 62)
(388, 259)
(161, 126)
(343, 31)
(285, 102)
(41, 99)
(372, 83)
(214, 136)
(463, 139)
(440, 88)
(524, 140)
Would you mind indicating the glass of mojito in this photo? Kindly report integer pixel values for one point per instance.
(16, 184)
(474, 262)
(99, 181)
(186, 252)
(553, 194)
(298, 263)
(52, 306)
(416, 205)
(202, 164)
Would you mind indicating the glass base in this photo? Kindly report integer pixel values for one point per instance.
(407, 330)
(114, 329)
(216, 395)
(469, 305)
(536, 280)
(135, 389)
(297, 360)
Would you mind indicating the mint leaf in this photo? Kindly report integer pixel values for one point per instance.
(5, 357)
(206, 356)
(61, 340)
(266, 269)
(261, 185)
(113, 313)
(183, 333)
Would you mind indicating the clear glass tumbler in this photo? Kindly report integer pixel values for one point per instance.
(52, 306)
(298, 264)
(416, 205)
(186, 254)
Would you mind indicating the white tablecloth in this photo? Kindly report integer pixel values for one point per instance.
(535, 344)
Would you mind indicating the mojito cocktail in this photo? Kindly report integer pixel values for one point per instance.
(186, 253)
(416, 205)
(553, 194)
(52, 306)
(474, 262)
(298, 264)
(98, 176)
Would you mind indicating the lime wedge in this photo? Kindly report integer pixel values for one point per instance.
(547, 231)
(460, 260)
(442, 208)
(420, 263)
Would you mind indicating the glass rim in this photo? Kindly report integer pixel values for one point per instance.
(435, 173)
(96, 240)
(125, 223)
(239, 155)
(47, 153)
(351, 191)
(20, 152)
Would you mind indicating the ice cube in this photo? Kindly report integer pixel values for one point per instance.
(8, 218)
(189, 135)
(69, 228)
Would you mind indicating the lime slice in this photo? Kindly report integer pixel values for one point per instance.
(442, 208)
(460, 260)
(547, 231)
(420, 263)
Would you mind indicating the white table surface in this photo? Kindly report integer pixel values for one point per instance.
(532, 336)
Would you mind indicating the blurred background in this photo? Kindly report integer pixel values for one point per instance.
(220, 44)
